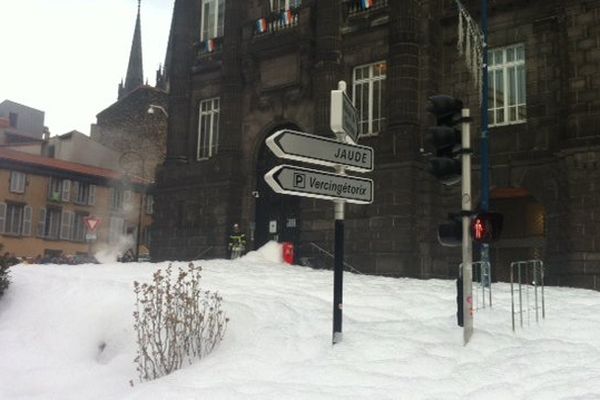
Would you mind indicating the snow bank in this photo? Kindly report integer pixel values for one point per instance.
(270, 252)
(66, 333)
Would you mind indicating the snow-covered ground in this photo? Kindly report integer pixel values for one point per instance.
(400, 339)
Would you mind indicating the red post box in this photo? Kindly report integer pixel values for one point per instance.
(288, 252)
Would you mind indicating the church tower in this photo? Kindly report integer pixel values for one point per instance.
(135, 69)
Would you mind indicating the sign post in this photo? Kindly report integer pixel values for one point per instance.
(467, 254)
(341, 154)
(91, 223)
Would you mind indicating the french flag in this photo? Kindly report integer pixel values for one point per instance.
(261, 25)
(287, 17)
(366, 4)
(211, 45)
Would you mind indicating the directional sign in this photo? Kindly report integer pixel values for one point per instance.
(344, 117)
(306, 182)
(301, 146)
(91, 223)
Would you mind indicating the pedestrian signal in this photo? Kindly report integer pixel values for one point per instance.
(486, 227)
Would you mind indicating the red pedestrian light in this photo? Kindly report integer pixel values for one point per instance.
(486, 227)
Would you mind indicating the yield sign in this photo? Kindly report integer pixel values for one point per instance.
(91, 223)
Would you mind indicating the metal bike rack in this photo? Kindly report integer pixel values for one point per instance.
(525, 271)
(482, 272)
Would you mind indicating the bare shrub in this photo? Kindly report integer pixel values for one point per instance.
(175, 321)
(5, 263)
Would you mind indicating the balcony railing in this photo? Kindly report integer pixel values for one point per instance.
(209, 46)
(356, 7)
(277, 21)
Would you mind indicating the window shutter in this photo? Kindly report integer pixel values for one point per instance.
(22, 183)
(27, 216)
(76, 191)
(66, 226)
(92, 195)
(42, 223)
(66, 190)
(2, 216)
(13, 181)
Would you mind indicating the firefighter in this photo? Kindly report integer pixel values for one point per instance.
(237, 242)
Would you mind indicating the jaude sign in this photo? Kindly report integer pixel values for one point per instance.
(304, 147)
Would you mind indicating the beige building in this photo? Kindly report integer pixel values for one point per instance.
(44, 203)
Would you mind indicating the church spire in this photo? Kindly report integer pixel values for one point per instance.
(135, 71)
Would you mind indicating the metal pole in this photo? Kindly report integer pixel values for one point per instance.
(535, 288)
(137, 239)
(520, 295)
(485, 146)
(543, 304)
(490, 288)
(142, 193)
(512, 296)
(467, 257)
(338, 269)
(338, 272)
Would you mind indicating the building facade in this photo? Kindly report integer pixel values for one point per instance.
(20, 123)
(242, 70)
(44, 203)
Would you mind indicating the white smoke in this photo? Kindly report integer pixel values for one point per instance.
(109, 252)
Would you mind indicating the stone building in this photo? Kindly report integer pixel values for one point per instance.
(242, 70)
(127, 126)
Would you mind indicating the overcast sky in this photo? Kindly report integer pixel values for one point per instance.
(67, 57)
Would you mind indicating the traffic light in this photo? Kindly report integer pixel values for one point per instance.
(450, 234)
(486, 227)
(446, 138)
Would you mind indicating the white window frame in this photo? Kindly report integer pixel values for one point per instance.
(55, 189)
(52, 225)
(14, 218)
(81, 193)
(149, 204)
(117, 198)
(208, 142)
(18, 181)
(287, 4)
(503, 68)
(79, 226)
(217, 29)
(371, 80)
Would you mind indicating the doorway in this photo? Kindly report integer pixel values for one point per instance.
(277, 215)
(523, 235)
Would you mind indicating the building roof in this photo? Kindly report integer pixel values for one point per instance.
(139, 91)
(10, 103)
(64, 166)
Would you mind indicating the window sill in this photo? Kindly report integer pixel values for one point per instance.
(508, 124)
(13, 235)
(368, 135)
(14, 192)
(49, 239)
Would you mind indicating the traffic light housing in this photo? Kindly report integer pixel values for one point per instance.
(486, 227)
(445, 138)
(450, 234)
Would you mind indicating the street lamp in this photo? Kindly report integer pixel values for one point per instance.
(124, 165)
(153, 107)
